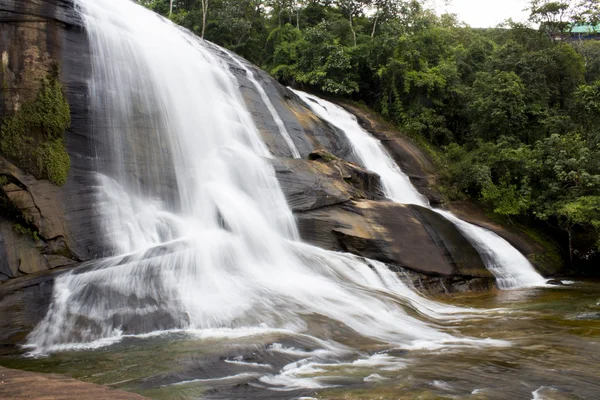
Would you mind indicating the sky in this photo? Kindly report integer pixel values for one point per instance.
(485, 13)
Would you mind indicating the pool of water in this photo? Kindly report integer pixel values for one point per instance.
(539, 343)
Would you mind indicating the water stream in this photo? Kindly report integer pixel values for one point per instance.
(511, 269)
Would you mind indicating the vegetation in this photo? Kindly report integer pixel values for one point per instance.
(512, 113)
(33, 136)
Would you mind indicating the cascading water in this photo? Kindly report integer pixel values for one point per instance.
(511, 269)
(202, 238)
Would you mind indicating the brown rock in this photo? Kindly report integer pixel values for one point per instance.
(15, 384)
(22, 256)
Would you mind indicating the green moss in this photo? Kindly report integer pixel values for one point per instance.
(53, 161)
(322, 155)
(25, 231)
(33, 137)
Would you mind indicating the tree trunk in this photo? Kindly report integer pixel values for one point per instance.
(352, 27)
(374, 26)
(570, 246)
(170, 8)
(204, 14)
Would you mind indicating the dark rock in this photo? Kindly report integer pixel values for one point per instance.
(35, 35)
(22, 256)
(555, 282)
(393, 233)
(309, 185)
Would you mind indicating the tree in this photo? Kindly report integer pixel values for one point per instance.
(582, 211)
(204, 14)
(498, 105)
(352, 9)
(554, 17)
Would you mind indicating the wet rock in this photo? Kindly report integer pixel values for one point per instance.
(21, 255)
(309, 185)
(398, 234)
(340, 206)
(556, 282)
(34, 36)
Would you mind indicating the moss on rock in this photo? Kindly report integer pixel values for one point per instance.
(53, 161)
(33, 137)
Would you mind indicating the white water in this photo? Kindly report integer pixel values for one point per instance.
(511, 269)
(214, 250)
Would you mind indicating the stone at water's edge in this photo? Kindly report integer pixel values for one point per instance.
(19, 385)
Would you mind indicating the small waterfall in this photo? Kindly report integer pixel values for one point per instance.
(218, 252)
(511, 269)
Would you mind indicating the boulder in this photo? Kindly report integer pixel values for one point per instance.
(309, 185)
(408, 236)
(340, 206)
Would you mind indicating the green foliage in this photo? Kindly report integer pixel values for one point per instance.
(498, 105)
(33, 137)
(53, 161)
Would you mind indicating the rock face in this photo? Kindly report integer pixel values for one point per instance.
(339, 207)
(47, 226)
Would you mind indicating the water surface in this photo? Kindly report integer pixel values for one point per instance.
(553, 352)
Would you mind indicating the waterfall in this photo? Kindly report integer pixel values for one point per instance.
(511, 269)
(202, 239)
